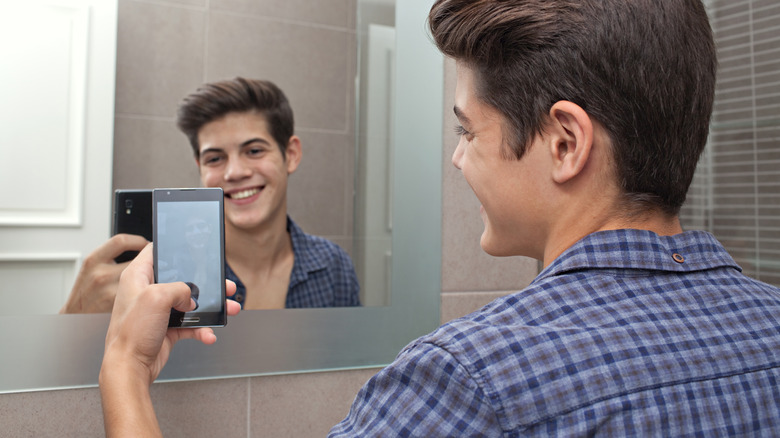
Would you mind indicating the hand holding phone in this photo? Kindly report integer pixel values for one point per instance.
(189, 246)
(98, 278)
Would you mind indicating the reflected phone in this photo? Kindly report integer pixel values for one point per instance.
(132, 215)
(189, 246)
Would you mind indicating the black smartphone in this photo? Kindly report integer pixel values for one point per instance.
(189, 246)
(132, 215)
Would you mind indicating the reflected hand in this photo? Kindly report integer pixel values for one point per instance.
(97, 281)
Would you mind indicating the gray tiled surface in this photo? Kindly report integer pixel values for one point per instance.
(304, 405)
(208, 408)
(309, 63)
(317, 195)
(337, 13)
(152, 153)
(159, 57)
(193, 3)
(73, 412)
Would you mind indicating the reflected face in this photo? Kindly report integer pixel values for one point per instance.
(238, 154)
(510, 191)
(197, 232)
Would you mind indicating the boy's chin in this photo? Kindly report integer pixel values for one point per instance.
(490, 245)
(498, 246)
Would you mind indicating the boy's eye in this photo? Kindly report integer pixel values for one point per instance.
(460, 131)
(212, 159)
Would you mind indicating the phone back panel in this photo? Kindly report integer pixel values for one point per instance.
(132, 215)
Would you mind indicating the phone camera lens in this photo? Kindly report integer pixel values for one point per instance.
(129, 203)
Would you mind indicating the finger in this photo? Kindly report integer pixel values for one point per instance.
(233, 307)
(182, 294)
(118, 244)
(156, 298)
(114, 270)
(205, 335)
(230, 288)
(202, 334)
(142, 265)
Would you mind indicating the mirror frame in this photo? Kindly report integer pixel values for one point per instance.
(44, 352)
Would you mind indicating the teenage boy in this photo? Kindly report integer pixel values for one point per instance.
(581, 122)
(242, 136)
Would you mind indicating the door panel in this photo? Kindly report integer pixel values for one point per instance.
(57, 107)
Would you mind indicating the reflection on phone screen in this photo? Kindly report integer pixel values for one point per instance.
(188, 249)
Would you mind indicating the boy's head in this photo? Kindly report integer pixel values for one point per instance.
(214, 100)
(644, 69)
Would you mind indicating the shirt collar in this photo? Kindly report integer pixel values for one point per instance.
(306, 256)
(644, 250)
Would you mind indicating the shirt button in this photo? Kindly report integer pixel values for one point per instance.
(678, 258)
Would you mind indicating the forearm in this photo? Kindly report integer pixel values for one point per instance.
(127, 404)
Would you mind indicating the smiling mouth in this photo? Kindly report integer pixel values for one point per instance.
(244, 193)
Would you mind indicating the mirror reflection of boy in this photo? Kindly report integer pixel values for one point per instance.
(190, 256)
(241, 133)
(581, 123)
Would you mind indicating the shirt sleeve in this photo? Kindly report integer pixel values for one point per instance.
(346, 286)
(425, 392)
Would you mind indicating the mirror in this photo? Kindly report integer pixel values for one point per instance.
(341, 189)
(60, 351)
(320, 61)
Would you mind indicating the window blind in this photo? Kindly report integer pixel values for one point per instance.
(736, 190)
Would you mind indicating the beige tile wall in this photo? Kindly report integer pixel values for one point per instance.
(300, 405)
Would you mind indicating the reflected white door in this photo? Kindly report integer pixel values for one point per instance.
(56, 142)
(375, 214)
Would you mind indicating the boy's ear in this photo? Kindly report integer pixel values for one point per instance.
(571, 140)
(293, 154)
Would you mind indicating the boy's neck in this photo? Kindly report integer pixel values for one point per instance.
(258, 247)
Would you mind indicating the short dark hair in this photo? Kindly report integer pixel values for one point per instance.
(644, 69)
(215, 100)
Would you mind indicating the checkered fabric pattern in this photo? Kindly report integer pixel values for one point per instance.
(322, 274)
(625, 334)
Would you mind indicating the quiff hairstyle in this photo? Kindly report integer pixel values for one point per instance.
(644, 69)
(215, 100)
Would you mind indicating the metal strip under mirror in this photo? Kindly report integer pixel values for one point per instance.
(44, 352)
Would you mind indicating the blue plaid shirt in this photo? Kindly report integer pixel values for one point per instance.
(322, 274)
(625, 334)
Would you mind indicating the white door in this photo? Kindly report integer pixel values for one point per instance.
(56, 141)
(375, 210)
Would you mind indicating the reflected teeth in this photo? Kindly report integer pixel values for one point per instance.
(244, 194)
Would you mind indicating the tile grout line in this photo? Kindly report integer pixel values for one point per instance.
(248, 407)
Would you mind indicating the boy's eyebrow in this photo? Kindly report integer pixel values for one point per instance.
(459, 114)
(207, 150)
(254, 140)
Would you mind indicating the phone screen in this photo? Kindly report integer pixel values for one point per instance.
(189, 247)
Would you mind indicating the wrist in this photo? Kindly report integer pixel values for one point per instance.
(119, 367)
(125, 397)
(72, 304)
